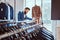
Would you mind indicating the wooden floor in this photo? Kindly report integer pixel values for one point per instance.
(58, 33)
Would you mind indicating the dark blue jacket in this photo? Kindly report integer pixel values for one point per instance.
(21, 16)
(4, 11)
(11, 12)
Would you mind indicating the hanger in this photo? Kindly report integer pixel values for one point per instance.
(35, 4)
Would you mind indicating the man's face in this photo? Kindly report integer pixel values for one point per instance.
(26, 11)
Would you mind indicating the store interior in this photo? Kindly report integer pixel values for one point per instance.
(38, 24)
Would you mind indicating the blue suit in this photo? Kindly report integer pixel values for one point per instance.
(21, 16)
(11, 12)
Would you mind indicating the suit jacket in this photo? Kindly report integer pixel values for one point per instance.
(11, 11)
(3, 10)
(21, 16)
(36, 11)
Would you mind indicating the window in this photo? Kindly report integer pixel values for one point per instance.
(46, 11)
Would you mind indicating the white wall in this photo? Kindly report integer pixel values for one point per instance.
(19, 7)
(1, 0)
(58, 23)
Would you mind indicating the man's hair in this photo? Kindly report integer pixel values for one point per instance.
(27, 8)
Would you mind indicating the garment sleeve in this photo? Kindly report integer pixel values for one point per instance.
(19, 18)
(28, 18)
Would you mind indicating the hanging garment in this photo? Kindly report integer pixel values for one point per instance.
(46, 34)
(11, 11)
(36, 13)
(3, 11)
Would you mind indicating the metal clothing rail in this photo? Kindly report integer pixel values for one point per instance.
(7, 21)
(16, 21)
(16, 31)
(4, 20)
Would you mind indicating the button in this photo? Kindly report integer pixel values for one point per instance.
(1, 9)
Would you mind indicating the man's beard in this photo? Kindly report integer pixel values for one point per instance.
(24, 12)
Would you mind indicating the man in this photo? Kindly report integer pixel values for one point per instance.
(22, 15)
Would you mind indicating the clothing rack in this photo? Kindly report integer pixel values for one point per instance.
(17, 31)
